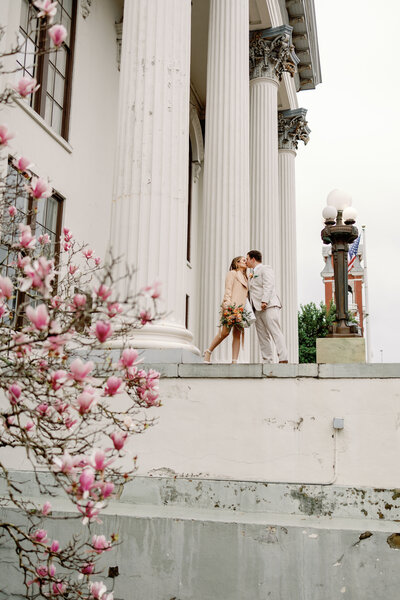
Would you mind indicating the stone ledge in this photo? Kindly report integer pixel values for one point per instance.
(220, 371)
(278, 371)
(290, 370)
(360, 370)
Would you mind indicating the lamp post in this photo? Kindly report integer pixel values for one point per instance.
(340, 231)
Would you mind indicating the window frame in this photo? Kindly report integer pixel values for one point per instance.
(41, 70)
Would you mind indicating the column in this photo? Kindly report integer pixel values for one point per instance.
(292, 127)
(148, 227)
(226, 159)
(271, 54)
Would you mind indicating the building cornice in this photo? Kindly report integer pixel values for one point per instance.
(301, 16)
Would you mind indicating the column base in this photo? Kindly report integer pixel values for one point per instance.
(161, 339)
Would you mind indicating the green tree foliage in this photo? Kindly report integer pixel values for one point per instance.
(314, 323)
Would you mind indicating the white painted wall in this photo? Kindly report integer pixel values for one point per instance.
(251, 429)
(82, 169)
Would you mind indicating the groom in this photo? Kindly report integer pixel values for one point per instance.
(267, 308)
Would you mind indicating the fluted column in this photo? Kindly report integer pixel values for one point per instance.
(149, 213)
(271, 54)
(292, 127)
(226, 158)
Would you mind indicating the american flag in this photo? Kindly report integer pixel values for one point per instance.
(353, 253)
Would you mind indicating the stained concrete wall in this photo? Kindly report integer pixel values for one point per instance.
(241, 423)
(206, 540)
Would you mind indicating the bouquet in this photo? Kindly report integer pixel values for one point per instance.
(235, 316)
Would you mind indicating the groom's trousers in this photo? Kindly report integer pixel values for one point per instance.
(269, 333)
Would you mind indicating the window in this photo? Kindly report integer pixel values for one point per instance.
(44, 217)
(52, 70)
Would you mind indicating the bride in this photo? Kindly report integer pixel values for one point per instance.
(236, 288)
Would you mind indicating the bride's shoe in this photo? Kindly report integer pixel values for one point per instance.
(207, 356)
(234, 362)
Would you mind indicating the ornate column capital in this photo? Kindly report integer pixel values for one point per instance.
(85, 8)
(292, 127)
(272, 53)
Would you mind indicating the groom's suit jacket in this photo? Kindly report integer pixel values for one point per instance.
(262, 287)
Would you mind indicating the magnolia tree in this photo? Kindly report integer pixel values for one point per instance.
(69, 402)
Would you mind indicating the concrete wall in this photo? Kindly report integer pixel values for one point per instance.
(275, 429)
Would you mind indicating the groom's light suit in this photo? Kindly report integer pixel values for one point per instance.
(262, 289)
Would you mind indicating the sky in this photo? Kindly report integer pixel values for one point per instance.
(354, 117)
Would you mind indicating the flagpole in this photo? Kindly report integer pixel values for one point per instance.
(366, 300)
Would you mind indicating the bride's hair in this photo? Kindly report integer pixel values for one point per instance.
(234, 263)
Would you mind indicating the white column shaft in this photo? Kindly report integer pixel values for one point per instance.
(264, 186)
(226, 169)
(287, 196)
(264, 194)
(150, 193)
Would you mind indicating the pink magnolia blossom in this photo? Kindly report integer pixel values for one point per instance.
(145, 317)
(86, 480)
(39, 317)
(23, 261)
(58, 378)
(67, 247)
(14, 393)
(12, 211)
(98, 460)
(26, 86)
(88, 253)
(30, 425)
(154, 290)
(55, 546)
(3, 309)
(112, 386)
(65, 464)
(90, 512)
(86, 400)
(128, 358)
(119, 439)
(100, 544)
(46, 508)
(59, 588)
(26, 239)
(97, 589)
(67, 234)
(55, 343)
(56, 301)
(22, 347)
(43, 409)
(69, 422)
(78, 301)
(40, 535)
(106, 488)
(44, 239)
(39, 188)
(47, 8)
(10, 420)
(87, 569)
(58, 34)
(114, 308)
(97, 261)
(5, 135)
(103, 331)
(6, 287)
(103, 292)
(22, 164)
(79, 370)
(72, 269)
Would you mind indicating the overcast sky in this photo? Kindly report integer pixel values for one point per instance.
(354, 115)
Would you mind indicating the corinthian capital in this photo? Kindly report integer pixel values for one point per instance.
(272, 53)
(292, 127)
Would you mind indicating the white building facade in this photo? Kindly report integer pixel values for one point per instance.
(169, 131)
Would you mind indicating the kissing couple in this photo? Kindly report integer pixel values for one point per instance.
(251, 297)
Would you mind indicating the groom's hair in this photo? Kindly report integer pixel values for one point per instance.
(255, 254)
